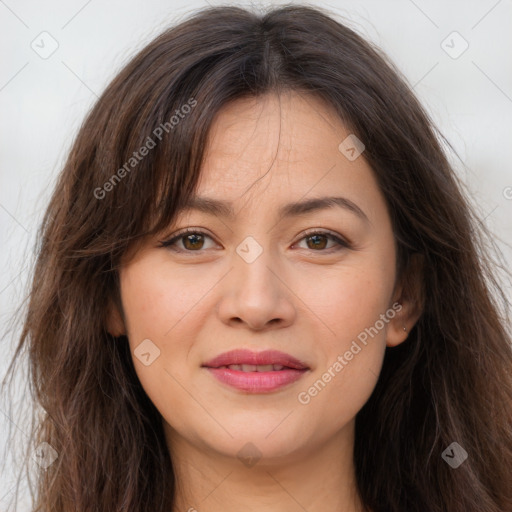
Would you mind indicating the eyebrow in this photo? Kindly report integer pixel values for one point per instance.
(225, 209)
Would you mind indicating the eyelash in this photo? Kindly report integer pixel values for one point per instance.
(170, 244)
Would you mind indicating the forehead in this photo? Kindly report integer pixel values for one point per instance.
(292, 131)
(281, 149)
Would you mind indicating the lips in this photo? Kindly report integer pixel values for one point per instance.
(248, 359)
(256, 372)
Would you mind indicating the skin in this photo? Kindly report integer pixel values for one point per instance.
(310, 301)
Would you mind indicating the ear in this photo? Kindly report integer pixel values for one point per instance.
(115, 320)
(410, 295)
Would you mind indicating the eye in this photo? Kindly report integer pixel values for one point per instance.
(193, 240)
(317, 241)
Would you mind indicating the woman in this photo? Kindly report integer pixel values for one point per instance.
(259, 286)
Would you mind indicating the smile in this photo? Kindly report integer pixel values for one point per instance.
(257, 381)
(254, 367)
(256, 372)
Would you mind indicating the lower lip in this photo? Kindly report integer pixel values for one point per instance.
(256, 382)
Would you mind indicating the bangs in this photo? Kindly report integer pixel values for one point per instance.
(153, 138)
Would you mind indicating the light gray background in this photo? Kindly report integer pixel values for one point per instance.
(43, 102)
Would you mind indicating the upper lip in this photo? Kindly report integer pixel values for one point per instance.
(241, 356)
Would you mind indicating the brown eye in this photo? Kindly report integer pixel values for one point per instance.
(317, 241)
(187, 241)
(193, 241)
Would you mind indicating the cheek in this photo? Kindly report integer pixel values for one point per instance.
(153, 304)
(162, 304)
(156, 298)
(353, 338)
(347, 302)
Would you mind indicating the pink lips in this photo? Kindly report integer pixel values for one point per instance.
(287, 369)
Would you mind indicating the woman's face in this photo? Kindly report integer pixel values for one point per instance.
(314, 282)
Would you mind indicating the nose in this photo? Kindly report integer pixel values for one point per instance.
(255, 295)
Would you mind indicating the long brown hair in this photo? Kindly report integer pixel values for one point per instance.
(451, 381)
